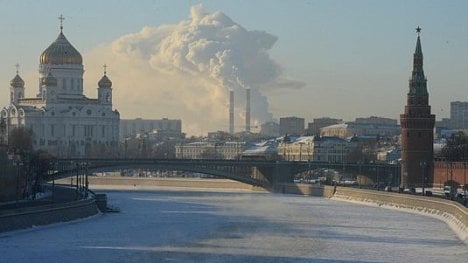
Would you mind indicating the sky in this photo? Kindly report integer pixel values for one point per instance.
(310, 59)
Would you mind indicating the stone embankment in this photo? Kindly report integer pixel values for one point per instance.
(454, 214)
(66, 210)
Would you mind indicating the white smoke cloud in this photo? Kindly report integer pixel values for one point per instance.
(185, 71)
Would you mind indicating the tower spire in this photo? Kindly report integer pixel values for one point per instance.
(61, 18)
(418, 80)
(17, 68)
(418, 50)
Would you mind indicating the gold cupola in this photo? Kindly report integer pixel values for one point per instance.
(61, 52)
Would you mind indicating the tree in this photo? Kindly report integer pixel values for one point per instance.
(20, 140)
(2, 131)
(456, 148)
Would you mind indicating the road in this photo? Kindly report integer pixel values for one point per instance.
(195, 226)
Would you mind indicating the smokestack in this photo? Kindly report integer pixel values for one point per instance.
(247, 110)
(231, 111)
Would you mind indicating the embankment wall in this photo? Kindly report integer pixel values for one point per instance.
(453, 213)
(27, 217)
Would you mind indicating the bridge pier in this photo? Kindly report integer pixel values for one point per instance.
(274, 175)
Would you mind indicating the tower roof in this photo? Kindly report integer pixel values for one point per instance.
(418, 50)
(105, 82)
(17, 81)
(418, 79)
(61, 52)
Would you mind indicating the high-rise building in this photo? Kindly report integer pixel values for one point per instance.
(459, 115)
(291, 126)
(417, 128)
(247, 110)
(231, 112)
(270, 129)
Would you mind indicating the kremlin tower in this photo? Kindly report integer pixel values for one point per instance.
(417, 128)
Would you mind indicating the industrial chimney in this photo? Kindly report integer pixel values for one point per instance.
(231, 111)
(247, 110)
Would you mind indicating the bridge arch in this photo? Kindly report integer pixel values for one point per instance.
(241, 174)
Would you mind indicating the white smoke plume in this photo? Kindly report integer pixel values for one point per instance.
(185, 71)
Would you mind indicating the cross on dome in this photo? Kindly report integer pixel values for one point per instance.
(17, 68)
(61, 18)
(105, 69)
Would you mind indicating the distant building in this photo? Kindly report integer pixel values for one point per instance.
(377, 120)
(342, 130)
(270, 129)
(266, 150)
(291, 126)
(459, 115)
(368, 127)
(316, 148)
(297, 149)
(388, 154)
(210, 150)
(313, 128)
(164, 127)
(332, 149)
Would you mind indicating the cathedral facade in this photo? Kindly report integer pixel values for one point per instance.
(63, 121)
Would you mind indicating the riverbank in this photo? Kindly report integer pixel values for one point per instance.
(152, 183)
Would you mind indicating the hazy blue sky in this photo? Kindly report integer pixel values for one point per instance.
(353, 56)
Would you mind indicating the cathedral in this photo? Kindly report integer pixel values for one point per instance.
(63, 121)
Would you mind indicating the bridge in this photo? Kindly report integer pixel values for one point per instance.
(261, 173)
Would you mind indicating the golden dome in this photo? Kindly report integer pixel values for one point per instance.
(61, 52)
(105, 82)
(17, 82)
(49, 80)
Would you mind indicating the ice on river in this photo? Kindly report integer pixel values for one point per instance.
(194, 226)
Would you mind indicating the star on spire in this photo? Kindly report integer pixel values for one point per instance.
(61, 18)
(418, 30)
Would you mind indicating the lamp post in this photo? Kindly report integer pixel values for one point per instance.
(423, 174)
(464, 183)
(300, 151)
(378, 178)
(17, 162)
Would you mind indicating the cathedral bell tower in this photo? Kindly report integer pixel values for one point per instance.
(417, 128)
(16, 88)
(105, 89)
(49, 88)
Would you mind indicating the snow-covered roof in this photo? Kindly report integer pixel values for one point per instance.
(269, 146)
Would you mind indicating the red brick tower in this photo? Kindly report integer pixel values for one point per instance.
(417, 128)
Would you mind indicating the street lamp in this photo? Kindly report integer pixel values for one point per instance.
(423, 175)
(464, 183)
(17, 162)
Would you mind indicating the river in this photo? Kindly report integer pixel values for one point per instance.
(197, 226)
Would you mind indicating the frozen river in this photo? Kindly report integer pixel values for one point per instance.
(181, 226)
